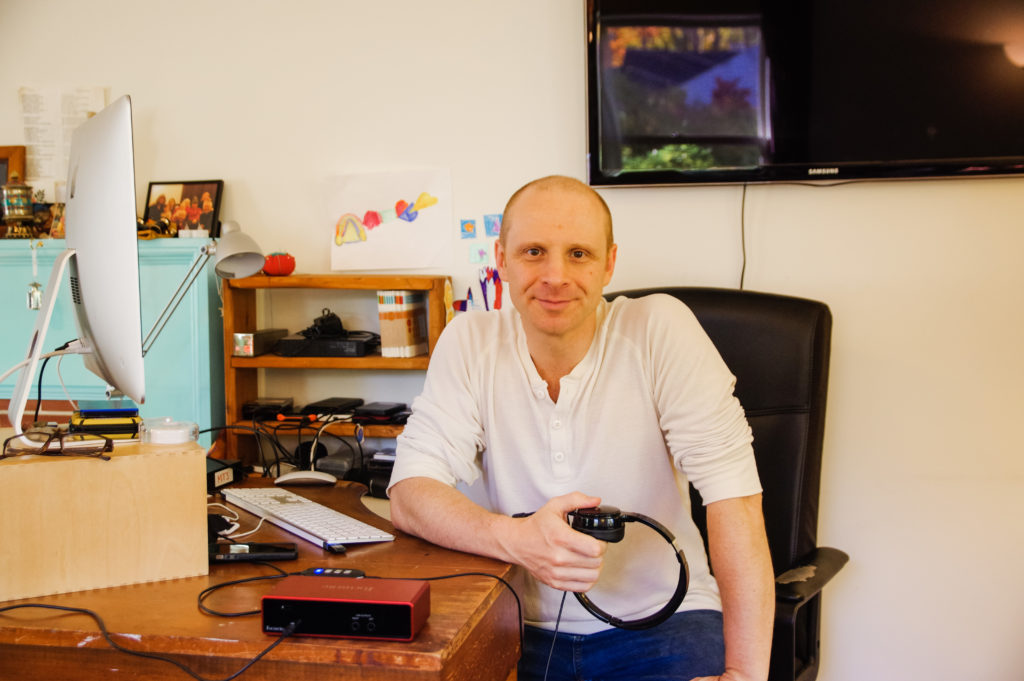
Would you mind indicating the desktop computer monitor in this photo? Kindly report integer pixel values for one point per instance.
(103, 258)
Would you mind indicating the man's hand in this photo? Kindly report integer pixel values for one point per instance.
(551, 550)
(543, 543)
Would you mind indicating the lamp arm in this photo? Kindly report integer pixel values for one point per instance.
(193, 272)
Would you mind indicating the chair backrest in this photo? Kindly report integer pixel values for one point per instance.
(778, 348)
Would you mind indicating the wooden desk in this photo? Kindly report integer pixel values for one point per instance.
(472, 633)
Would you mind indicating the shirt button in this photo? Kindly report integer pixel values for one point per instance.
(559, 457)
(556, 424)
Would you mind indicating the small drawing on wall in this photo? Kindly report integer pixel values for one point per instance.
(478, 255)
(390, 220)
(492, 224)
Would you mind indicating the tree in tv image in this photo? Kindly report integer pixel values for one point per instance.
(684, 97)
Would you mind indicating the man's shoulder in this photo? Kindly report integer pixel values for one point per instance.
(479, 321)
(652, 320)
(653, 308)
(478, 328)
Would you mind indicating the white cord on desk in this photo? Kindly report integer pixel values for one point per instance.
(56, 353)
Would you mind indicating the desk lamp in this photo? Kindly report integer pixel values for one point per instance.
(237, 255)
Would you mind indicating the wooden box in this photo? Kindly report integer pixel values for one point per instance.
(68, 524)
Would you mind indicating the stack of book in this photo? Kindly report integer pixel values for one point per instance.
(117, 420)
(403, 323)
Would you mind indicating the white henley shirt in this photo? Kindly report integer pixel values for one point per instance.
(649, 408)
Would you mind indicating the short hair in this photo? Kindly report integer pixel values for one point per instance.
(555, 183)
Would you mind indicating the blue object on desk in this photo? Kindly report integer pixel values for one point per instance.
(107, 408)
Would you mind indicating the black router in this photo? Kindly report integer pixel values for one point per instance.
(333, 405)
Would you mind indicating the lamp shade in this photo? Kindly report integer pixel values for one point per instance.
(238, 254)
(1015, 53)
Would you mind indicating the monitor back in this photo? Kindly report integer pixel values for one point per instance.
(100, 225)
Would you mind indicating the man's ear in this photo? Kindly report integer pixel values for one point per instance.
(499, 259)
(609, 268)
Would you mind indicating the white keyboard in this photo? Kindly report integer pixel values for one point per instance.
(308, 519)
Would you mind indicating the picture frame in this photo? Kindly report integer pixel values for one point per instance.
(12, 160)
(188, 207)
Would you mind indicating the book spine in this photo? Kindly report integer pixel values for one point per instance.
(403, 323)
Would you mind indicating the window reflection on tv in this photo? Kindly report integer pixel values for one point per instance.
(682, 97)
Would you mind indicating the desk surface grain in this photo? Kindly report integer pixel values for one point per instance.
(472, 633)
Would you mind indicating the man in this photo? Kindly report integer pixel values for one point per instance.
(566, 401)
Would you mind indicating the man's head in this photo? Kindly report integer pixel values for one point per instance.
(556, 255)
(555, 184)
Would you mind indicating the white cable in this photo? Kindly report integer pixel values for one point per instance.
(251, 531)
(78, 350)
(60, 379)
(316, 442)
(331, 418)
(234, 515)
(13, 369)
(232, 518)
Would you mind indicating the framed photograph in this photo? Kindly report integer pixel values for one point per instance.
(12, 160)
(187, 207)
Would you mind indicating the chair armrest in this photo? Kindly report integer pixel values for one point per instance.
(805, 580)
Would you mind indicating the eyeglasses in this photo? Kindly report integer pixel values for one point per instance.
(53, 442)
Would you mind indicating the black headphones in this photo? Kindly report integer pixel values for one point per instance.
(608, 523)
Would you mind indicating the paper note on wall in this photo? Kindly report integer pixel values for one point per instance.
(50, 116)
(391, 220)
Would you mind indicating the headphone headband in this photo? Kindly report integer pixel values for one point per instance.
(608, 523)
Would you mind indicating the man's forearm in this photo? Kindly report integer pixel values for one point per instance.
(543, 543)
(742, 565)
(443, 515)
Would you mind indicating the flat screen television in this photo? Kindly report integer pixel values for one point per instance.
(714, 91)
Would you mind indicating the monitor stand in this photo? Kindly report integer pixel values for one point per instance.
(19, 398)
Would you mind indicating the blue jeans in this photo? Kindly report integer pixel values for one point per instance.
(687, 645)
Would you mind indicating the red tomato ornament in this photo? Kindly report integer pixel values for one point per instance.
(278, 265)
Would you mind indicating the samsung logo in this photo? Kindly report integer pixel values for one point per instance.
(823, 171)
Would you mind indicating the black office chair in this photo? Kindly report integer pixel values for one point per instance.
(778, 349)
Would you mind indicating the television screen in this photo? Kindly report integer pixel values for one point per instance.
(745, 91)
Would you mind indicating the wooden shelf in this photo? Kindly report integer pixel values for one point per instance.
(340, 428)
(368, 362)
(241, 373)
(354, 282)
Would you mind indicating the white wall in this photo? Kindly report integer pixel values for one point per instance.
(924, 478)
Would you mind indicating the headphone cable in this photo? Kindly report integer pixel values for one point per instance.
(554, 635)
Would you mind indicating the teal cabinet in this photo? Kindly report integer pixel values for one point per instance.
(185, 366)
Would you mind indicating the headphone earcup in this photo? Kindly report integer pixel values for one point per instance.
(601, 522)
